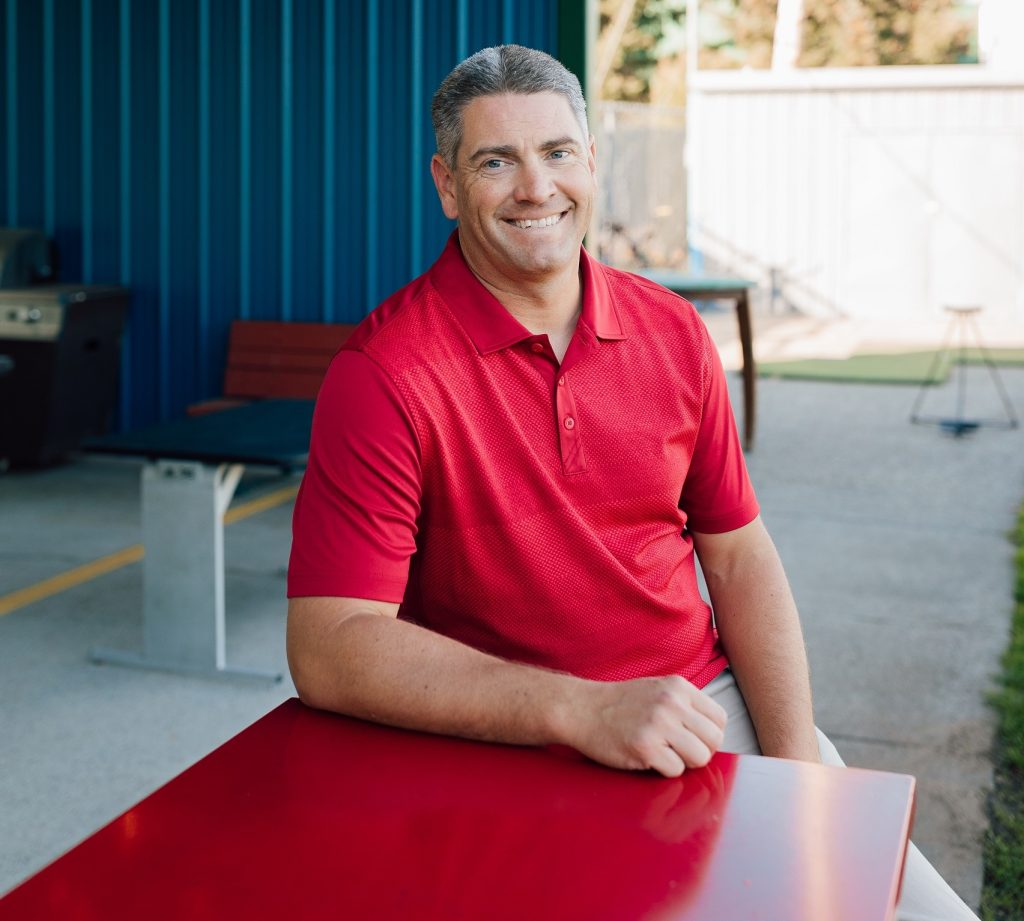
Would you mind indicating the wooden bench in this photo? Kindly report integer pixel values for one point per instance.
(275, 360)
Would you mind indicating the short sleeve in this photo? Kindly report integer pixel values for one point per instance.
(354, 525)
(717, 494)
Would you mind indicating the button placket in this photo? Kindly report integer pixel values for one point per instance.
(569, 440)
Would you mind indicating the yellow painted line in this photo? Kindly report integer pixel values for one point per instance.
(254, 506)
(89, 571)
(65, 580)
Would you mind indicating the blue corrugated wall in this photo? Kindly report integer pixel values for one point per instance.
(234, 158)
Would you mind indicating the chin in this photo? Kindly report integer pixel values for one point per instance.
(550, 259)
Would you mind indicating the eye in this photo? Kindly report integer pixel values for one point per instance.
(493, 164)
(560, 154)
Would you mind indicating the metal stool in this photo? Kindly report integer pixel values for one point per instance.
(962, 319)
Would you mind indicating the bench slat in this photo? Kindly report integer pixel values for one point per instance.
(280, 384)
(272, 336)
(268, 359)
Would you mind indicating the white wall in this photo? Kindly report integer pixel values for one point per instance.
(878, 192)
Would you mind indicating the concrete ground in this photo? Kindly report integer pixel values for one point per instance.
(894, 537)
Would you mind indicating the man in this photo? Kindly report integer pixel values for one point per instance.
(513, 461)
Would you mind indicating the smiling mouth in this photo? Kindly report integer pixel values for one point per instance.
(527, 223)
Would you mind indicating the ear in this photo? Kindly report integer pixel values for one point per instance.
(444, 180)
(592, 157)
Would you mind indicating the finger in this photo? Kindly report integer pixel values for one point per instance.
(711, 708)
(692, 750)
(666, 761)
(704, 728)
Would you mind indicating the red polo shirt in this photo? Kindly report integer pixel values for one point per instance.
(536, 511)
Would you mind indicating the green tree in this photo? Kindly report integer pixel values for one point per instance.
(646, 52)
(641, 45)
(854, 33)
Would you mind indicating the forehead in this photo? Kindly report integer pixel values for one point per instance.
(517, 119)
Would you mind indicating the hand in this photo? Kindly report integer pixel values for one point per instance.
(664, 724)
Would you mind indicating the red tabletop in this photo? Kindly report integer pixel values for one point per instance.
(310, 815)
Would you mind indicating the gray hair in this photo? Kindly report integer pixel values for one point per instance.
(495, 72)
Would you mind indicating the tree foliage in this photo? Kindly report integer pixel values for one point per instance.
(650, 64)
(855, 33)
(652, 26)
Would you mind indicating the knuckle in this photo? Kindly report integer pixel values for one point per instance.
(664, 698)
(670, 691)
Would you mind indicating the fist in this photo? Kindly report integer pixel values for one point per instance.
(662, 724)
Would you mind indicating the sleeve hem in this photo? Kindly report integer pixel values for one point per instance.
(720, 524)
(309, 585)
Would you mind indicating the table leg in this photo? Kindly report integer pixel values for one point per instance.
(183, 505)
(749, 370)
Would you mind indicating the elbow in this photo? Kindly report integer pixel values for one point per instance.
(327, 651)
(310, 687)
(320, 650)
(301, 676)
(304, 666)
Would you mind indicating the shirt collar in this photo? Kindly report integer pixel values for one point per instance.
(491, 326)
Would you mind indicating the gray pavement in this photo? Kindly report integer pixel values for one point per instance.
(894, 537)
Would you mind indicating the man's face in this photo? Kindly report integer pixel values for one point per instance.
(522, 188)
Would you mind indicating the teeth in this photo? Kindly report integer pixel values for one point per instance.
(540, 222)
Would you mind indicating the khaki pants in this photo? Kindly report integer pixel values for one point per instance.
(925, 896)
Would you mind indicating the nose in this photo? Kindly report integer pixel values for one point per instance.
(534, 182)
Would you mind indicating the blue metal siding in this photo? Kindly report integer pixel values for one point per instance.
(102, 178)
(66, 138)
(28, 196)
(232, 158)
(7, 85)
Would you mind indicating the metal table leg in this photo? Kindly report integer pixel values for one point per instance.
(183, 505)
(749, 370)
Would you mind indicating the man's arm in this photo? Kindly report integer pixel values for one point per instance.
(354, 656)
(760, 631)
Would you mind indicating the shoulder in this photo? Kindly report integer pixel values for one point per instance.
(406, 310)
(650, 311)
(637, 296)
(419, 321)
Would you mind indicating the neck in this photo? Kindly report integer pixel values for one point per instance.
(545, 310)
(546, 307)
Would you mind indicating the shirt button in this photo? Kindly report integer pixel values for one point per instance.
(561, 381)
(537, 347)
(569, 423)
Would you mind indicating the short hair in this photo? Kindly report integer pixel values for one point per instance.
(495, 72)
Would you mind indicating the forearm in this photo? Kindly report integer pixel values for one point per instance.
(759, 628)
(355, 657)
(389, 671)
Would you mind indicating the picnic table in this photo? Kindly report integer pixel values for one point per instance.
(193, 466)
(708, 287)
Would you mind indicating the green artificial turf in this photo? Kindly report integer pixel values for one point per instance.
(899, 368)
(1002, 897)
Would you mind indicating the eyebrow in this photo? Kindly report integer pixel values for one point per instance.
(509, 150)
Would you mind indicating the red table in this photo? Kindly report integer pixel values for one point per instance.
(310, 815)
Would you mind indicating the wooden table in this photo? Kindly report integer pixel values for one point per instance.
(194, 466)
(310, 815)
(706, 287)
